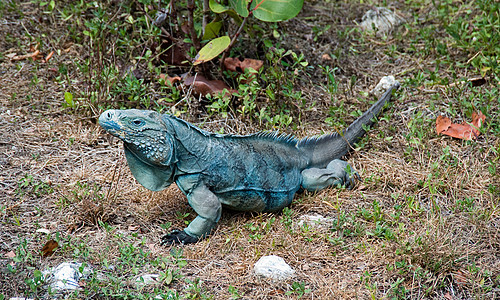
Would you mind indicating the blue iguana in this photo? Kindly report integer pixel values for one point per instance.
(257, 172)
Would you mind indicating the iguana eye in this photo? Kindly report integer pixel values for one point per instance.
(138, 122)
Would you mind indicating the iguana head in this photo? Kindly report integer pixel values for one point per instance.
(143, 132)
(149, 147)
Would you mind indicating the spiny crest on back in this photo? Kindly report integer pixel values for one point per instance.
(274, 136)
(313, 140)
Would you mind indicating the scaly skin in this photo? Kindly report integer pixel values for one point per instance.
(257, 172)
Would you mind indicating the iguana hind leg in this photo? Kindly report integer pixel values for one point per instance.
(208, 207)
(338, 172)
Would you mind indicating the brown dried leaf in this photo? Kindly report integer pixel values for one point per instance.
(10, 254)
(442, 124)
(203, 86)
(478, 81)
(477, 121)
(462, 131)
(326, 57)
(49, 247)
(174, 53)
(172, 80)
(240, 65)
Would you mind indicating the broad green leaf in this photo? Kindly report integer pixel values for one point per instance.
(276, 10)
(69, 98)
(216, 7)
(240, 6)
(212, 49)
(235, 16)
(212, 30)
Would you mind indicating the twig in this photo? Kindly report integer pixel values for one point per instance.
(206, 10)
(192, 32)
(233, 40)
(163, 30)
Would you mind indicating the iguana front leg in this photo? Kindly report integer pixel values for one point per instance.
(338, 172)
(208, 207)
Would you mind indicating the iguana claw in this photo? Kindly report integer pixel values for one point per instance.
(177, 237)
(351, 183)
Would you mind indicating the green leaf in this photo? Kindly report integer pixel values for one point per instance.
(212, 49)
(276, 10)
(240, 6)
(216, 7)
(69, 98)
(235, 16)
(212, 30)
(168, 277)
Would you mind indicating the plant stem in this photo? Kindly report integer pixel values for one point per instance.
(233, 40)
(192, 32)
(206, 10)
(235, 37)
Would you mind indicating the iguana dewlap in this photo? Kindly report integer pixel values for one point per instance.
(257, 172)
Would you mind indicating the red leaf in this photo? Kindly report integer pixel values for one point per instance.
(48, 248)
(240, 65)
(462, 131)
(172, 80)
(442, 124)
(477, 121)
(203, 86)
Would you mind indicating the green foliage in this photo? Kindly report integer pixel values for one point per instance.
(212, 49)
(298, 288)
(29, 186)
(275, 10)
(265, 10)
(235, 294)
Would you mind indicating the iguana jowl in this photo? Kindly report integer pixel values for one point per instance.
(257, 172)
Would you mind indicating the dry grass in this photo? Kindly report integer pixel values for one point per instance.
(423, 223)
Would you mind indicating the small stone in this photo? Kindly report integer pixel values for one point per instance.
(273, 267)
(384, 83)
(148, 279)
(315, 221)
(381, 20)
(66, 276)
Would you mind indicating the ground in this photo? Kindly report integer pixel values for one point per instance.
(424, 221)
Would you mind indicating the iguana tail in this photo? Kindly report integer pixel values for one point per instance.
(323, 149)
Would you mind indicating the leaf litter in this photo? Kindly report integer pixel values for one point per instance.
(464, 131)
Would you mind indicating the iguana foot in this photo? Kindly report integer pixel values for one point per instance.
(352, 180)
(177, 237)
(337, 173)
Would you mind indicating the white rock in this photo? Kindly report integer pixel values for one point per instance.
(43, 230)
(65, 276)
(147, 279)
(384, 83)
(273, 267)
(315, 221)
(381, 19)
